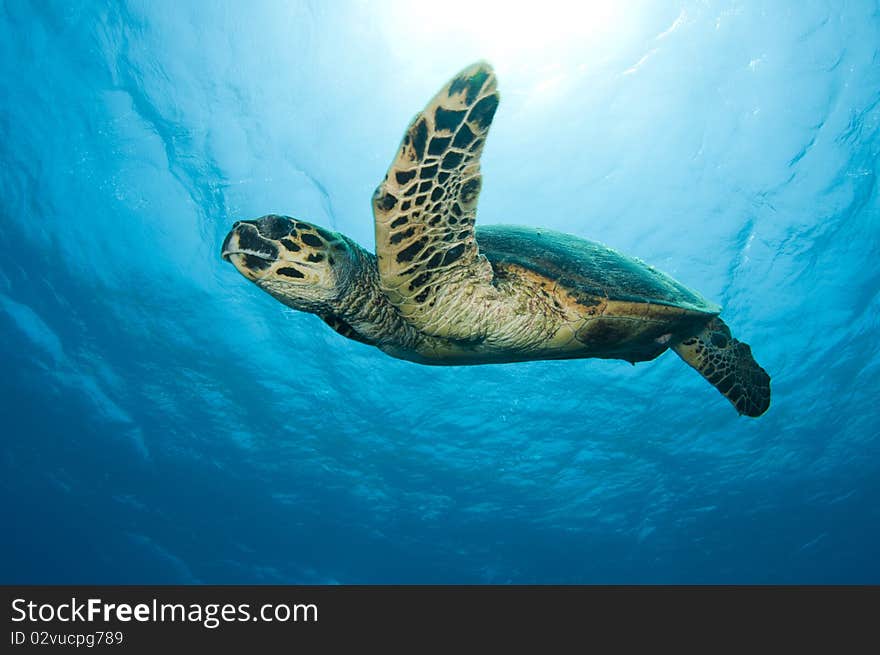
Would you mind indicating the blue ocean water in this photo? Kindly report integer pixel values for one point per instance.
(165, 421)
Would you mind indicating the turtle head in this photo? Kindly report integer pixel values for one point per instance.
(300, 264)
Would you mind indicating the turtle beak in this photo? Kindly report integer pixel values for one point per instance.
(246, 239)
(226, 248)
(248, 251)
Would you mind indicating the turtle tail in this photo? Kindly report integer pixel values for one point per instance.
(728, 365)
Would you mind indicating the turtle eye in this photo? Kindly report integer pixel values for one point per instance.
(274, 227)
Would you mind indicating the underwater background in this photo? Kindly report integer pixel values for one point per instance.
(165, 421)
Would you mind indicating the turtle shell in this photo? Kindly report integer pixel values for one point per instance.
(586, 267)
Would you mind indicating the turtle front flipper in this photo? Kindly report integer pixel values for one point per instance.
(425, 208)
(729, 366)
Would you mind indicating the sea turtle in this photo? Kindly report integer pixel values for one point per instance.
(440, 291)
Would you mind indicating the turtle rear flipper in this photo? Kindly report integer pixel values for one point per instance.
(729, 366)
